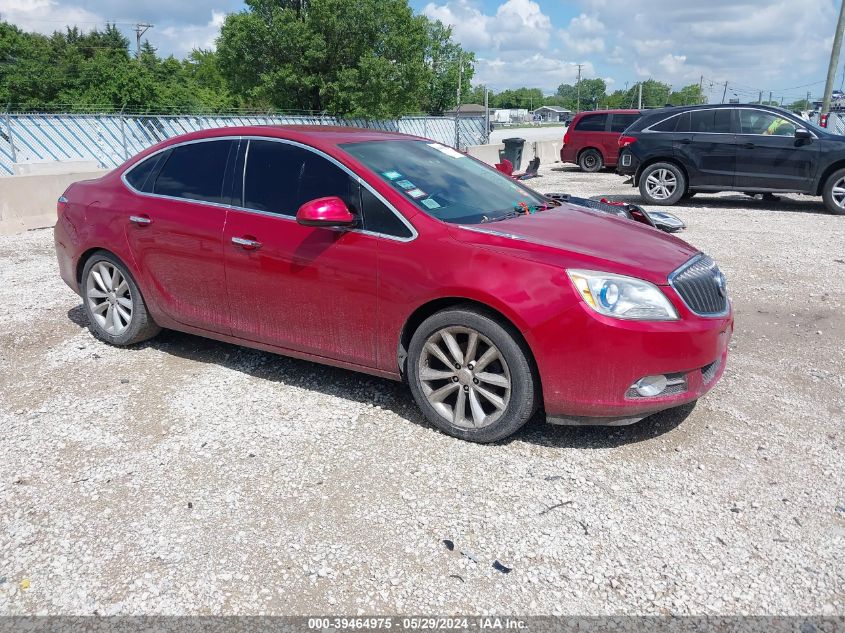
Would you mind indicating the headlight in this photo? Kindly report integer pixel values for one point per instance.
(622, 297)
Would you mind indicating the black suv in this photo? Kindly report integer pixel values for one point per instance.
(673, 153)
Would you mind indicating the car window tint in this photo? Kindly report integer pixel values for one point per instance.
(667, 125)
(766, 123)
(280, 178)
(139, 175)
(713, 121)
(592, 123)
(195, 171)
(621, 122)
(378, 218)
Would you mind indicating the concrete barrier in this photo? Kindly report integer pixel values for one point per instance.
(29, 202)
(547, 151)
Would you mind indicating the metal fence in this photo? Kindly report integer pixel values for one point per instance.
(836, 123)
(110, 139)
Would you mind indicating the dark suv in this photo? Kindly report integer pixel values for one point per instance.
(673, 153)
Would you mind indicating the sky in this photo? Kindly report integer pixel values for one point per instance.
(782, 46)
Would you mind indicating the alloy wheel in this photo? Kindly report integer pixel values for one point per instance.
(109, 298)
(464, 377)
(838, 193)
(661, 184)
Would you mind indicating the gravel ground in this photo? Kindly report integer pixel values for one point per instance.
(188, 476)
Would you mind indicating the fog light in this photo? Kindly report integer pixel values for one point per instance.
(650, 385)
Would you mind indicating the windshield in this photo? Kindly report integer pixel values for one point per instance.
(445, 183)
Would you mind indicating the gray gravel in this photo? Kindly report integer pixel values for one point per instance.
(188, 476)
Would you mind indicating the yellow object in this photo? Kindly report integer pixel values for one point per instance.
(25, 583)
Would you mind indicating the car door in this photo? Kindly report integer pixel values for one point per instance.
(174, 228)
(706, 145)
(309, 289)
(770, 157)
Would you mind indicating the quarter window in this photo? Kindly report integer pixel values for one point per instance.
(141, 176)
(280, 178)
(195, 171)
(766, 123)
(667, 125)
(592, 123)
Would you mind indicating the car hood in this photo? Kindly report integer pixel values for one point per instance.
(583, 238)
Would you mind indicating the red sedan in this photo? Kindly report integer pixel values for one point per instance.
(399, 257)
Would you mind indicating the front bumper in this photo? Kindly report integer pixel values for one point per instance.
(587, 375)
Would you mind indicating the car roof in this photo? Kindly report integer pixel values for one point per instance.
(316, 135)
(619, 111)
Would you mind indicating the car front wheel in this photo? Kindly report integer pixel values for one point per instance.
(471, 375)
(833, 192)
(113, 303)
(662, 183)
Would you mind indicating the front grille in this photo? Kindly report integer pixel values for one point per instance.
(709, 371)
(700, 284)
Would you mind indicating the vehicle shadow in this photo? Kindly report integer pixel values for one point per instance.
(386, 394)
(810, 205)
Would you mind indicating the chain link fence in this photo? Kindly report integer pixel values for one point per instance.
(109, 139)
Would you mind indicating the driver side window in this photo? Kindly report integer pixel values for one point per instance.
(279, 178)
(765, 123)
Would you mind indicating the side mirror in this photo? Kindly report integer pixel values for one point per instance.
(803, 134)
(330, 211)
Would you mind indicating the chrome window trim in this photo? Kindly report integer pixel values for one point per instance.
(674, 274)
(331, 159)
(793, 120)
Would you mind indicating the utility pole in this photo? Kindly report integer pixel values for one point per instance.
(834, 59)
(725, 92)
(808, 99)
(460, 76)
(640, 98)
(701, 89)
(140, 29)
(770, 97)
(578, 86)
(760, 98)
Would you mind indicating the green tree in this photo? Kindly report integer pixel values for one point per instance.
(592, 91)
(688, 95)
(443, 59)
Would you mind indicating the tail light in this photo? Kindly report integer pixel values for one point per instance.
(61, 205)
(625, 141)
(566, 137)
(823, 120)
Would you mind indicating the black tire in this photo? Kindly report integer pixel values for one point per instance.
(827, 192)
(140, 326)
(680, 183)
(688, 194)
(524, 387)
(590, 161)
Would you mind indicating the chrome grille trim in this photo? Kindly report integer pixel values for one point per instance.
(695, 283)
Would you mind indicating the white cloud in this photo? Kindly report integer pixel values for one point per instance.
(183, 39)
(46, 16)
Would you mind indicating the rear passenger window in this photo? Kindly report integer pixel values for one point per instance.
(592, 123)
(621, 122)
(280, 178)
(712, 121)
(378, 218)
(195, 171)
(140, 178)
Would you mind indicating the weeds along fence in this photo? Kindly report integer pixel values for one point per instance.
(109, 139)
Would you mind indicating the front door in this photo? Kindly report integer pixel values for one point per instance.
(309, 289)
(770, 157)
(174, 228)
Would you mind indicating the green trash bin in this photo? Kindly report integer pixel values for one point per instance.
(513, 151)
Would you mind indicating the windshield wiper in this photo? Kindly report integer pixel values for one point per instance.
(505, 216)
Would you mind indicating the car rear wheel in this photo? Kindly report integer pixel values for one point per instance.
(471, 375)
(833, 192)
(590, 161)
(113, 303)
(662, 183)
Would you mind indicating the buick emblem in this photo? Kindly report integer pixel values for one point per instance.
(721, 283)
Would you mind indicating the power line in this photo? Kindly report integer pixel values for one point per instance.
(140, 29)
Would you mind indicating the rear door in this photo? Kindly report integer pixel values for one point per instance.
(619, 122)
(174, 227)
(591, 131)
(770, 157)
(706, 145)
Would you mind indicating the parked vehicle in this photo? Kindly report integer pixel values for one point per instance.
(592, 139)
(399, 257)
(676, 152)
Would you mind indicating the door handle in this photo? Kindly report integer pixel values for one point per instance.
(748, 146)
(685, 141)
(246, 243)
(140, 220)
